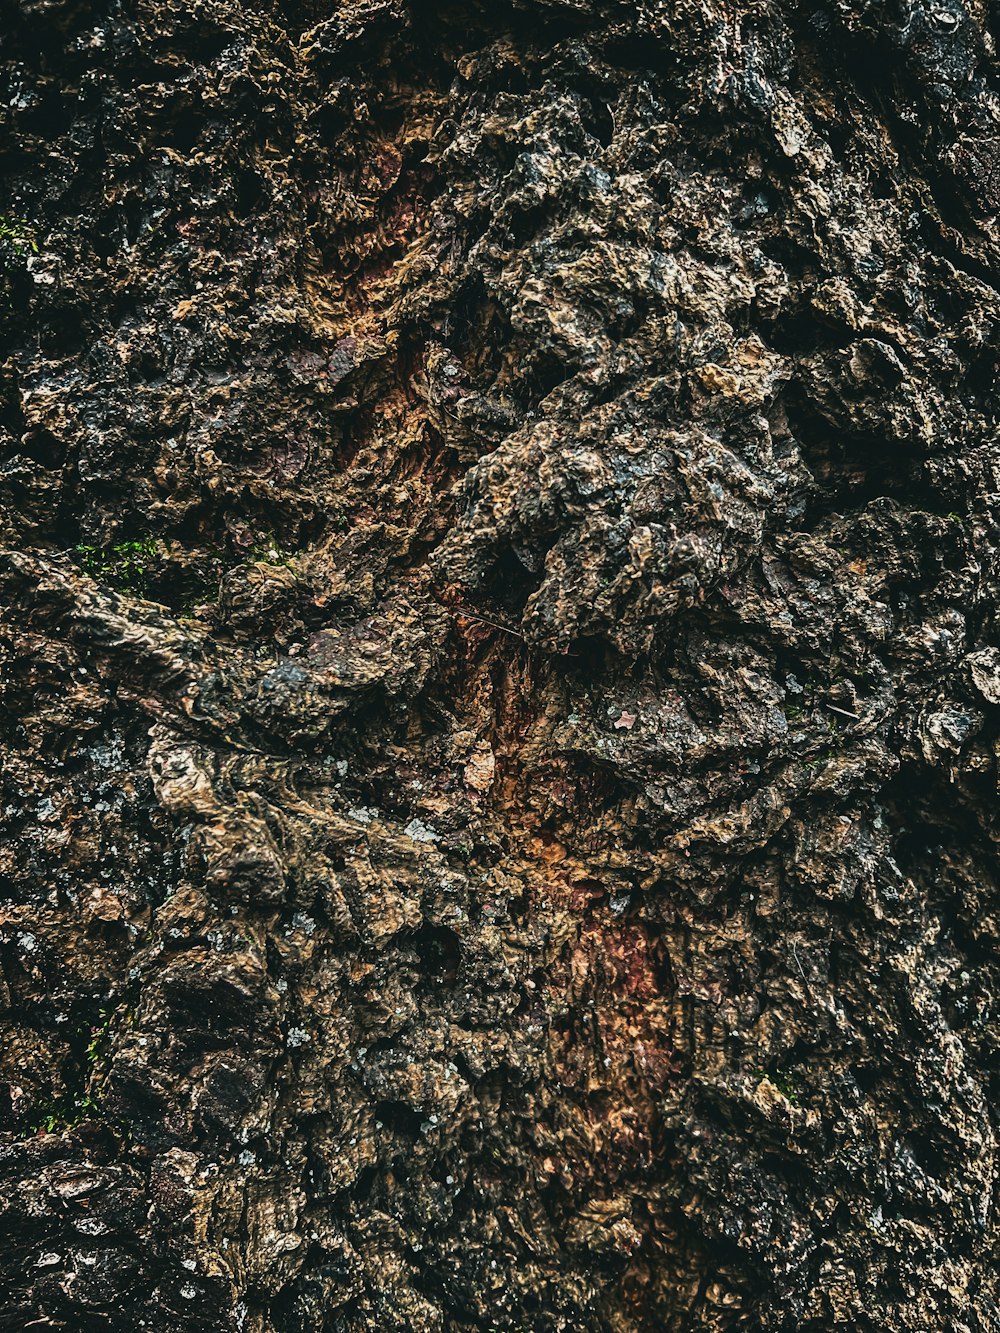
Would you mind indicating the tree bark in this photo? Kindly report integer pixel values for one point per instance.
(499, 578)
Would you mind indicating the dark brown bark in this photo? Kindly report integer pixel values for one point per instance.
(499, 577)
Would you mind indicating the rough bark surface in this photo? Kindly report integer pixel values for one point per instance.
(501, 665)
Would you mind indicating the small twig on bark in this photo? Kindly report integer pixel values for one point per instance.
(855, 717)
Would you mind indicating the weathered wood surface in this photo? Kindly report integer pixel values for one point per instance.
(499, 585)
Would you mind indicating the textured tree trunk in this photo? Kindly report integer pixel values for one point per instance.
(500, 665)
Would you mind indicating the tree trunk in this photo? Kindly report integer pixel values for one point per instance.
(500, 650)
